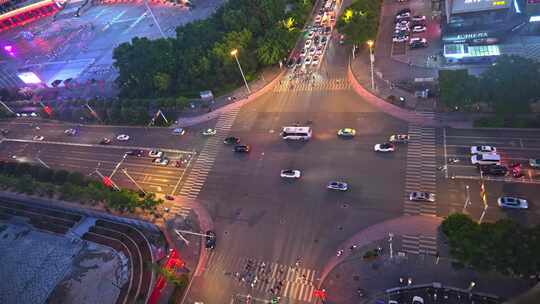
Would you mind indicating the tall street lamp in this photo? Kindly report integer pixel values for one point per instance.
(235, 54)
(371, 61)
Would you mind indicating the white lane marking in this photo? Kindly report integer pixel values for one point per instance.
(101, 13)
(141, 17)
(113, 20)
(93, 145)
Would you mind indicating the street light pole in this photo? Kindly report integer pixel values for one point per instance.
(371, 61)
(133, 180)
(467, 199)
(390, 236)
(235, 54)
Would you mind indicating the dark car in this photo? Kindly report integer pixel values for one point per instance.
(210, 239)
(494, 170)
(105, 141)
(242, 148)
(136, 152)
(231, 140)
(291, 63)
(299, 61)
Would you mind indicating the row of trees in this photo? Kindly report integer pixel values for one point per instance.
(199, 57)
(504, 246)
(360, 21)
(120, 111)
(70, 186)
(509, 86)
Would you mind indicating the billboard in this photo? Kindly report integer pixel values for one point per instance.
(471, 6)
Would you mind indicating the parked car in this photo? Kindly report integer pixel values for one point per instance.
(38, 138)
(418, 29)
(416, 42)
(71, 132)
(136, 152)
(418, 18)
(162, 161)
(512, 202)
(105, 141)
(422, 196)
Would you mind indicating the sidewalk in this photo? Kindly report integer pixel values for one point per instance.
(360, 80)
(343, 275)
(223, 104)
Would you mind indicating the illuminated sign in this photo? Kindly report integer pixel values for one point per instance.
(498, 3)
(29, 78)
(468, 36)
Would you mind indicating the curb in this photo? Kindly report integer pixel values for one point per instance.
(395, 111)
(191, 121)
(400, 225)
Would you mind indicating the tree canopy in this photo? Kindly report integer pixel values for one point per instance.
(509, 86)
(360, 21)
(199, 57)
(504, 246)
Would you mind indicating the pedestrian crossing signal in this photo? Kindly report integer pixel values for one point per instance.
(319, 293)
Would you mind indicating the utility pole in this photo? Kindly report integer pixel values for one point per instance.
(467, 199)
(117, 166)
(7, 108)
(133, 180)
(390, 237)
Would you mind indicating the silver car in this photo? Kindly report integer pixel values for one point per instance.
(336, 185)
(512, 202)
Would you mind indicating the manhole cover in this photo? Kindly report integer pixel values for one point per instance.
(340, 228)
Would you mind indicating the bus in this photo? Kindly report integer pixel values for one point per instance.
(296, 133)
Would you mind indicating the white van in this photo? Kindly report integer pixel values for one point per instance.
(296, 133)
(486, 159)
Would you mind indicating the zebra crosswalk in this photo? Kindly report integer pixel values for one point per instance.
(314, 85)
(204, 161)
(266, 277)
(421, 169)
(419, 244)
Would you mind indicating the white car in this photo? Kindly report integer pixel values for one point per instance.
(319, 53)
(162, 161)
(307, 61)
(418, 29)
(386, 147)
(312, 51)
(534, 162)
(346, 132)
(308, 43)
(400, 39)
(403, 23)
(209, 132)
(336, 185)
(179, 131)
(311, 34)
(315, 60)
(417, 300)
(399, 138)
(155, 153)
(38, 138)
(422, 196)
(70, 132)
(483, 149)
(512, 202)
(418, 18)
(289, 173)
(122, 137)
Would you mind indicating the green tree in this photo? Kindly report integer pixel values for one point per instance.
(77, 178)
(60, 177)
(457, 88)
(511, 84)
